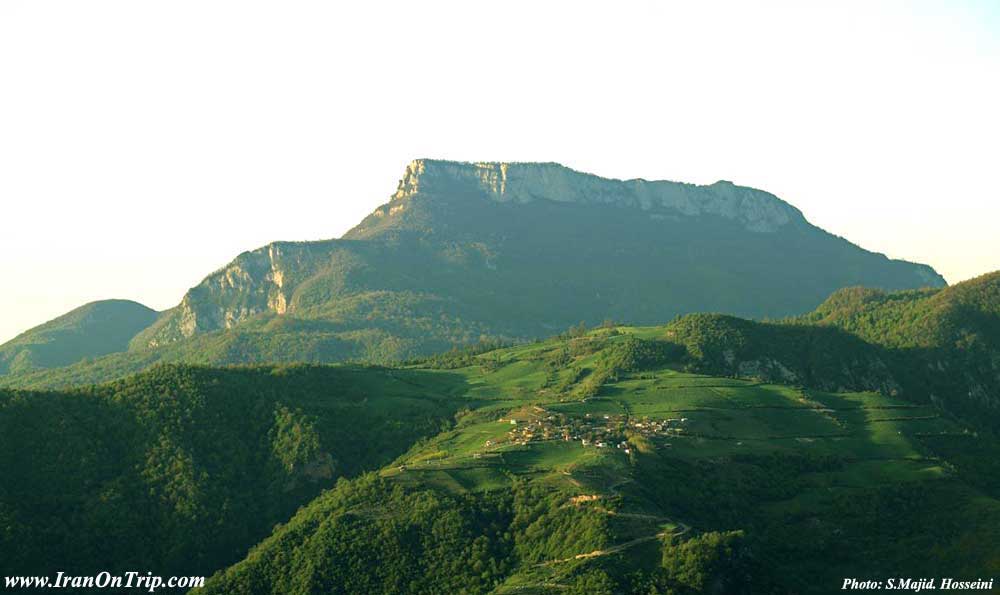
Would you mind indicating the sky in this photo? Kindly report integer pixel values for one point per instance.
(145, 144)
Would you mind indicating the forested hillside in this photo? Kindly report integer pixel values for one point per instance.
(180, 469)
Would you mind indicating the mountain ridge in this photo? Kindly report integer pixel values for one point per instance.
(523, 182)
(515, 251)
(459, 182)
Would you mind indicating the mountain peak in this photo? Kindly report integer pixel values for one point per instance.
(525, 182)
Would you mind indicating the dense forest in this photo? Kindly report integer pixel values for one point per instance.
(183, 468)
(433, 542)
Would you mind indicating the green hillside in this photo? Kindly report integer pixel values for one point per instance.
(180, 469)
(598, 461)
(595, 464)
(506, 251)
(90, 331)
(940, 347)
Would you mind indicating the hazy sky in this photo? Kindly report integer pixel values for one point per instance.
(145, 144)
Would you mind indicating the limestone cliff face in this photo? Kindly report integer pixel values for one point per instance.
(756, 210)
(255, 282)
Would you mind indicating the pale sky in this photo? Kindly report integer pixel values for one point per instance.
(145, 144)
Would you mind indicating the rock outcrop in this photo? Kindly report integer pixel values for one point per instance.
(255, 282)
(755, 209)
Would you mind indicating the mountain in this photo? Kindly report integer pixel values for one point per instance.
(508, 251)
(90, 331)
(526, 249)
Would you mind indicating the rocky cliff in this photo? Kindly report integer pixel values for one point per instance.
(255, 282)
(755, 210)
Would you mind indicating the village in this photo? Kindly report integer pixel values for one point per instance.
(590, 430)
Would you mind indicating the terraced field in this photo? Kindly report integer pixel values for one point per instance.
(724, 417)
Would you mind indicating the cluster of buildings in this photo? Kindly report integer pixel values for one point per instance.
(591, 430)
(654, 427)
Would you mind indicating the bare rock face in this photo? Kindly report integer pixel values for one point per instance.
(757, 210)
(255, 282)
